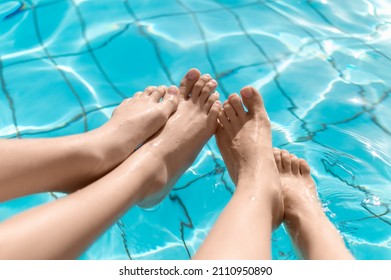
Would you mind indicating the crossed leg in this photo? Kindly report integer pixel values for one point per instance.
(37, 165)
(63, 229)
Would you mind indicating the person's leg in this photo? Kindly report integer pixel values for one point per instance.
(311, 231)
(243, 230)
(65, 164)
(63, 229)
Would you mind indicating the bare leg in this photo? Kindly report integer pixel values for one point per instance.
(68, 163)
(243, 230)
(64, 228)
(312, 232)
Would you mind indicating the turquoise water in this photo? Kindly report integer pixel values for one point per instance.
(323, 68)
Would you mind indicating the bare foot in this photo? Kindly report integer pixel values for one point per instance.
(178, 143)
(312, 232)
(135, 120)
(244, 139)
(298, 187)
(244, 228)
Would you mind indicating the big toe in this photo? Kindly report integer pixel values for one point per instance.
(188, 82)
(253, 101)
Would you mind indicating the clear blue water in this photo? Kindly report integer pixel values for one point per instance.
(323, 68)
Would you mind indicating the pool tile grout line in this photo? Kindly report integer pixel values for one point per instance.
(183, 224)
(9, 99)
(151, 40)
(91, 51)
(55, 65)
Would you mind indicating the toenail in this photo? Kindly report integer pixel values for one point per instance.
(207, 76)
(213, 82)
(172, 90)
(191, 75)
(247, 92)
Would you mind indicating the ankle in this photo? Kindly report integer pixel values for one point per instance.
(261, 167)
(141, 184)
(103, 151)
(304, 218)
(265, 191)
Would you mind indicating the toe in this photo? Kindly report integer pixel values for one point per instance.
(229, 111)
(170, 101)
(213, 114)
(233, 118)
(138, 94)
(126, 101)
(211, 100)
(223, 119)
(199, 85)
(295, 164)
(208, 88)
(237, 105)
(304, 167)
(286, 161)
(188, 82)
(149, 90)
(277, 157)
(215, 109)
(158, 93)
(253, 101)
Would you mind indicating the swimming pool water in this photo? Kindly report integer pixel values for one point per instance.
(323, 68)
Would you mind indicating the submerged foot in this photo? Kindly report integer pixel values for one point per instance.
(244, 139)
(178, 143)
(299, 192)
